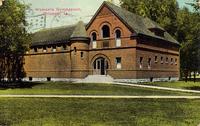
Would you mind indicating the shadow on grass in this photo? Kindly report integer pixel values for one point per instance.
(14, 85)
(193, 88)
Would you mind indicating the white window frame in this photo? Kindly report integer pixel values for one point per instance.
(94, 44)
(118, 64)
(141, 62)
(149, 63)
(118, 39)
(118, 42)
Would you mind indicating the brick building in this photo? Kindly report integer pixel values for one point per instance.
(115, 42)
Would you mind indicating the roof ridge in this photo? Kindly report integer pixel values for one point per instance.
(55, 28)
(79, 31)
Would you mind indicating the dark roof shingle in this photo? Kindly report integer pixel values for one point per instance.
(139, 24)
(52, 35)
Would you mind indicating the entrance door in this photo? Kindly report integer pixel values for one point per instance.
(100, 65)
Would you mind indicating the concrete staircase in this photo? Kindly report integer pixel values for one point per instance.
(97, 79)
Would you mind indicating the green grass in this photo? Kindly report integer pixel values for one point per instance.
(177, 84)
(63, 88)
(98, 112)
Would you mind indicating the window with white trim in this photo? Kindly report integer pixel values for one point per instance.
(54, 49)
(161, 60)
(118, 38)
(94, 40)
(141, 62)
(44, 49)
(118, 63)
(156, 59)
(149, 63)
(167, 59)
(172, 61)
(176, 61)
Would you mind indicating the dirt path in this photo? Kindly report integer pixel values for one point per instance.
(100, 96)
(157, 87)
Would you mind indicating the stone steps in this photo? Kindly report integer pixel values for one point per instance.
(97, 79)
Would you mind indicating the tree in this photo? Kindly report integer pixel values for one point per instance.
(195, 4)
(163, 12)
(14, 40)
(188, 32)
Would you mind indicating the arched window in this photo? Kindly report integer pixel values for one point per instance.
(94, 38)
(118, 34)
(105, 31)
(118, 38)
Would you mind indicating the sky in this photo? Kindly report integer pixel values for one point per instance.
(64, 12)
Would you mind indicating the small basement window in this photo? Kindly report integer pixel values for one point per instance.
(48, 78)
(30, 78)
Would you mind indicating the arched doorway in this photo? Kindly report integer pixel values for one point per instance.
(100, 66)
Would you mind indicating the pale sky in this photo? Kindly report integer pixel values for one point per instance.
(85, 9)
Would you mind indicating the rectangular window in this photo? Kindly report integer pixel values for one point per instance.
(64, 47)
(172, 61)
(54, 49)
(141, 62)
(35, 50)
(81, 54)
(149, 63)
(167, 59)
(161, 60)
(176, 61)
(44, 49)
(118, 63)
(156, 59)
(30, 78)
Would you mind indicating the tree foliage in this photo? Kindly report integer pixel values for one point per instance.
(14, 39)
(163, 12)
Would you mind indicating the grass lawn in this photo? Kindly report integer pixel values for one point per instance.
(61, 88)
(178, 84)
(98, 112)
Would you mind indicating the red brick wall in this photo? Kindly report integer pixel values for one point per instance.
(70, 64)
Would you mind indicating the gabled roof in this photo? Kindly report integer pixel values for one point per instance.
(52, 35)
(59, 34)
(135, 23)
